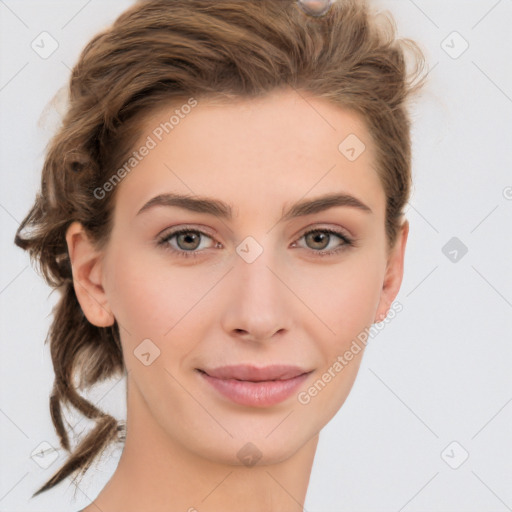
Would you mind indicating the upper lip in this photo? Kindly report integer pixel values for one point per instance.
(255, 374)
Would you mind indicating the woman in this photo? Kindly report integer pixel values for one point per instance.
(222, 212)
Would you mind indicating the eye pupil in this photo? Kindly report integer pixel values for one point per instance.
(320, 238)
(186, 238)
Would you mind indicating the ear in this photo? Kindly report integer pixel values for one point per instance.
(86, 264)
(394, 273)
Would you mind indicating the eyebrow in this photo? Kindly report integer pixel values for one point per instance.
(224, 211)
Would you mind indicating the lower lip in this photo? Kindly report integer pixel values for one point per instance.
(256, 394)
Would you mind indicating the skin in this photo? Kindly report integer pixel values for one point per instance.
(288, 306)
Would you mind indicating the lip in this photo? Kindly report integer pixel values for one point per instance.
(253, 386)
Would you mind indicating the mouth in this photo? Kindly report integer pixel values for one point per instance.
(255, 387)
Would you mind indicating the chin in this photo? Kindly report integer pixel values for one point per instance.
(252, 441)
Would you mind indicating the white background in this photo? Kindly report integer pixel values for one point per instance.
(438, 373)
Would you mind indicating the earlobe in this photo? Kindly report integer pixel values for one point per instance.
(394, 273)
(87, 267)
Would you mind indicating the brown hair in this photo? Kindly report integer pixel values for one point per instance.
(161, 51)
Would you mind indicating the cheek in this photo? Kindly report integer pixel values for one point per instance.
(344, 299)
(136, 302)
(155, 300)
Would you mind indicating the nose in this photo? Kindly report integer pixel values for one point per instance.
(259, 304)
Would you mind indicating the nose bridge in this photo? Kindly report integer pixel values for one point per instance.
(258, 304)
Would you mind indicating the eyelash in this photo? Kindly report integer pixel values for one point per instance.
(163, 242)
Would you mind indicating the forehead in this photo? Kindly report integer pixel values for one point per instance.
(249, 151)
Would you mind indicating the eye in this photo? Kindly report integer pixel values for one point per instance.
(320, 239)
(186, 242)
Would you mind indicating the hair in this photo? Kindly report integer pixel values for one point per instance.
(160, 52)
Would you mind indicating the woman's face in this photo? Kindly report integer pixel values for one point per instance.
(229, 327)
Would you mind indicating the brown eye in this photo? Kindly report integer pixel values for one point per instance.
(189, 240)
(318, 239)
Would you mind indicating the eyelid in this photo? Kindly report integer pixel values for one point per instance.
(190, 227)
(326, 227)
(210, 233)
(181, 228)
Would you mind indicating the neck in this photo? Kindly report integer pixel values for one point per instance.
(158, 473)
